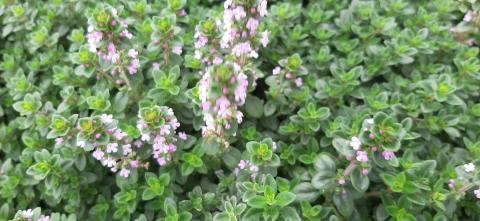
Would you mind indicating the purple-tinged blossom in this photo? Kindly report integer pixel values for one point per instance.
(298, 82)
(388, 155)
(134, 65)
(112, 148)
(106, 118)
(241, 49)
(125, 33)
(262, 8)
(98, 154)
(477, 193)
(182, 135)
(132, 53)
(468, 17)
(276, 70)
(362, 156)
(265, 39)
(124, 172)
(252, 25)
(177, 50)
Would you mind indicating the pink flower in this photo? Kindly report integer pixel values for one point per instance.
(58, 140)
(388, 155)
(134, 163)
(177, 50)
(110, 162)
(119, 134)
(252, 25)
(126, 34)
(134, 65)
(299, 82)
(161, 161)
(182, 135)
(127, 149)
(156, 66)
(241, 90)
(112, 147)
(124, 172)
(253, 168)
(98, 154)
(242, 164)
(217, 60)
(276, 70)
(227, 3)
(93, 39)
(239, 117)
(106, 118)
(362, 156)
(341, 181)
(43, 218)
(201, 41)
(132, 53)
(365, 171)
(241, 49)
(477, 193)
(371, 136)
(112, 53)
(451, 183)
(223, 107)
(468, 16)
(262, 8)
(239, 13)
(206, 105)
(138, 143)
(264, 39)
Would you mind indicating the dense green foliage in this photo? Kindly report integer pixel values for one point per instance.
(183, 110)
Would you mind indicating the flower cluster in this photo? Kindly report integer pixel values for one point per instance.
(158, 127)
(468, 26)
(286, 78)
(283, 75)
(110, 144)
(28, 215)
(224, 84)
(363, 152)
(466, 179)
(245, 165)
(107, 37)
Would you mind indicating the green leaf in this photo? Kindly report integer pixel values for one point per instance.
(254, 106)
(306, 192)
(324, 162)
(258, 202)
(359, 181)
(324, 180)
(284, 199)
(148, 194)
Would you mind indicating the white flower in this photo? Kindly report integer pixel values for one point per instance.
(145, 137)
(369, 121)
(355, 143)
(81, 143)
(177, 50)
(469, 167)
(106, 118)
(132, 53)
(477, 193)
(27, 214)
